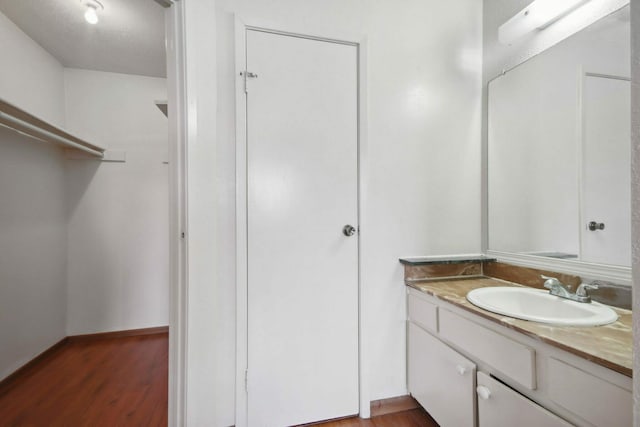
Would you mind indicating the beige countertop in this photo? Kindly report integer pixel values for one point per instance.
(609, 345)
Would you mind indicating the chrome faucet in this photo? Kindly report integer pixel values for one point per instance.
(582, 290)
(555, 287)
(558, 289)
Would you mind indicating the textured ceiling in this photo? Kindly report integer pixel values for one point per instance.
(128, 39)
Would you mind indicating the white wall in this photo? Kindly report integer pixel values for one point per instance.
(30, 77)
(421, 172)
(32, 212)
(118, 215)
(32, 250)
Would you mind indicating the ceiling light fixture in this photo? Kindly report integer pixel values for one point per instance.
(91, 14)
(537, 16)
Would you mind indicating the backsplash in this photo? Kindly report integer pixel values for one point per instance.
(528, 276)
(425, 268)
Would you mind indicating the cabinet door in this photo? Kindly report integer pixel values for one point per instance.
(586, 395)
(441, 380)
(500, 406)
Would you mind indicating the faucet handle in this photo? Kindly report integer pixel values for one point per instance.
(550, 282)
(582, 289)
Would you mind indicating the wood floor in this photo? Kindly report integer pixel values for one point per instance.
(106, 382)
(118, 382)
(412, 418)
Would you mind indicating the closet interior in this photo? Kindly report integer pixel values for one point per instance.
(83, 174)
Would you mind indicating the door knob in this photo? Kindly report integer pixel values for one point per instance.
(348, 230)
(593, 226)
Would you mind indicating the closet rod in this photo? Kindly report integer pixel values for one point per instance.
(20, 126)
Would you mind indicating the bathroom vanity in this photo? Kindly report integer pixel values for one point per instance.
(470, 367)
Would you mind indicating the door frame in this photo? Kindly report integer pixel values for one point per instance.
(177, 95)
(242, 331)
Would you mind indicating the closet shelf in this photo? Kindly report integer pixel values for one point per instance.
(27, 124)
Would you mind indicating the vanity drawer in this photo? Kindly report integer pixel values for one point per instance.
(515, 360)
(500, 406)
(422, 312)
(593, 399)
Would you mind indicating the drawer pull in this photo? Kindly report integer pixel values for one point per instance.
(461, 370)
(483, 392)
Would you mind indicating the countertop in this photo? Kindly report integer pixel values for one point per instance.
(610, 345)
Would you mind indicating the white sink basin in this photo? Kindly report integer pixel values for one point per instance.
(540, 306)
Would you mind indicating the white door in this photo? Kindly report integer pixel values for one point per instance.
(606, 191)
(302, 178)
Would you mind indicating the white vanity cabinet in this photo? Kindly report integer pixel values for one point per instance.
(466, 370)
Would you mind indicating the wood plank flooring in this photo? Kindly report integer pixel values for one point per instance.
(412, 418)
(106, 382)
(119, 381)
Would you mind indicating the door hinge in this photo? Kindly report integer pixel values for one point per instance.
(246, 380)
(247, 75)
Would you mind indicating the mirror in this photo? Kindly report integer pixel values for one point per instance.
(559, 150)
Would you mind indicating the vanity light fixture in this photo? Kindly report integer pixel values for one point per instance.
(537, 16)
(91, 14)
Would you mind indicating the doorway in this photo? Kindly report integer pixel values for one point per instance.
(85, 243)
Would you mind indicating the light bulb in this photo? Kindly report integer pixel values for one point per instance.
(91, 16)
